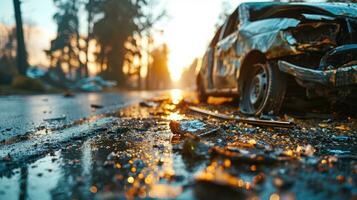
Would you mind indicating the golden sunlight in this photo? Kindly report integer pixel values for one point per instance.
(175, 69)
(175, 116)
(176, 96)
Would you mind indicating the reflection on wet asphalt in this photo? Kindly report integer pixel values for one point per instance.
(20, 114)
(133, 160)
(142, 156)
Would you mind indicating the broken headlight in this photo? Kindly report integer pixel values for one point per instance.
(318, 36)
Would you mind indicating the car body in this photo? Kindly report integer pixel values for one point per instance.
(265, 51)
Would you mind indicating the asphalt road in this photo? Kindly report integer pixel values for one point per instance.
(137, 151)
(23, 114)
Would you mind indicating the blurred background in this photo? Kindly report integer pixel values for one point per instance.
(90, 45)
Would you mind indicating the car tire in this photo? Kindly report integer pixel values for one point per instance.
(263, 90)
(201, 93)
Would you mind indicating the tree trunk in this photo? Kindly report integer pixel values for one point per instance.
(89, 33)
(139, 78)
(22, 64)
(148, 75)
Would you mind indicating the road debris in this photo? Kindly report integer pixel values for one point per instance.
(168, 151)
(244, 157)
(283, 182)
(340, 138)
(258, 122)
(163, 191)
(96, 106)
(338, 152)
(193, 148)
(148, 104)
(68, 94)
(94, 84)
(194, 127)
(214, 181)
(60, 118)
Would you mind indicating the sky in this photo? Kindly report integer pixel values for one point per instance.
(187, 30)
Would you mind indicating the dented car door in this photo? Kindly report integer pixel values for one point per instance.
(225, 56)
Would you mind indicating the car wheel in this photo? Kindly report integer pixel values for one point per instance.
(201, 94)
(263, 90)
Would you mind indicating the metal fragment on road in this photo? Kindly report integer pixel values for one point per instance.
(192, 127)
(259, 122)
(148, 104)
(96, 106)
(63, 117)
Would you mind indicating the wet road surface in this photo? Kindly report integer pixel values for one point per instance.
(21, 114)
(139, 152)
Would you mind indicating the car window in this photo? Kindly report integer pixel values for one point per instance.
(271, 10)
(231, 25)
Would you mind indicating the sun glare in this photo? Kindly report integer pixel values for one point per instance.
(175, 70)
(176, 96)
(189, 31)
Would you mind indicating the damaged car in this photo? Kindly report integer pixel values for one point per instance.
(266, 52)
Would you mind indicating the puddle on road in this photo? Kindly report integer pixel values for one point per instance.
(124, 164)
(34, 181)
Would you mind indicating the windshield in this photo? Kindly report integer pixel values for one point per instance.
(258, 11)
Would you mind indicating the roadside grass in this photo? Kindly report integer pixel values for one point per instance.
(25, 85)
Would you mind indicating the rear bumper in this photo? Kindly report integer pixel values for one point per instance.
(338, 77)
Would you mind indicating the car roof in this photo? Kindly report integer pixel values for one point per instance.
(332, 9)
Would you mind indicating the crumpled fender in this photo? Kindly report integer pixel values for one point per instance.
(267, 36)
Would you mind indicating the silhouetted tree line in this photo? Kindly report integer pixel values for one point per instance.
(111, 24)
(159, 76)
(65, 49)
(8, 55)
(118, 33)
(188, 78)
